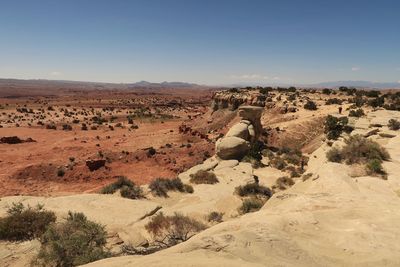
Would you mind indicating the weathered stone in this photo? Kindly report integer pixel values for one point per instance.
(239, 130)
(252, 114)
(232, 148)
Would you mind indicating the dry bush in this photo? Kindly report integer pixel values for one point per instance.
(394, 124)
(360, 149)
(253, 189)
(203, 177)
(160, 186)
(215, 216)
(168, 231)
(334, 155)
(283, 183)
(25, 223)
(128, 189)
(251, 204)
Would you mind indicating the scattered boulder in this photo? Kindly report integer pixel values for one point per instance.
(94, 165)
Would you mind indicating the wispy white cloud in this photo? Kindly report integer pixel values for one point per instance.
(355, 68)
(55, 73)
(276, 78)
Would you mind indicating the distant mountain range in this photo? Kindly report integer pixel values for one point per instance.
(163, 84)
(363, 84)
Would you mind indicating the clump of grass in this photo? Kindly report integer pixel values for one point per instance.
(310, 105)
(203, 177)
(160, 186)
(25, 223)
(76, 241)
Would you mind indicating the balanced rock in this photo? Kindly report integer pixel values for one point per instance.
(232, 148)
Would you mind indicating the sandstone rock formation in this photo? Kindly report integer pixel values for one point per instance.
(232, 99)
(242, 135)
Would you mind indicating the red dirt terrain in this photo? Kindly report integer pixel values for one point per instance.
(138, 133)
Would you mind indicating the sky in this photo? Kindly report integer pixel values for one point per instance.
(202, 41)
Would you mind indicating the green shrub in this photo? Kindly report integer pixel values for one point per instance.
(76, 241)
(203, 177)
(394, 124)
(25, 223)
(160, 186)
(334, 155)
(310, 105)
(251, 205)
(333, 126)
(253, 189)
(375, 166)
(170, 230)
(356, 113)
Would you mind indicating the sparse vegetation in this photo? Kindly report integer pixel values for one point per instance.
(203, 177)
(394, 124)
(76, 241)
(25, 223)
(128, 189)
(359, 149)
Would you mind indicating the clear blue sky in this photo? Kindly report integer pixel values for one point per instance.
(204, 41)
